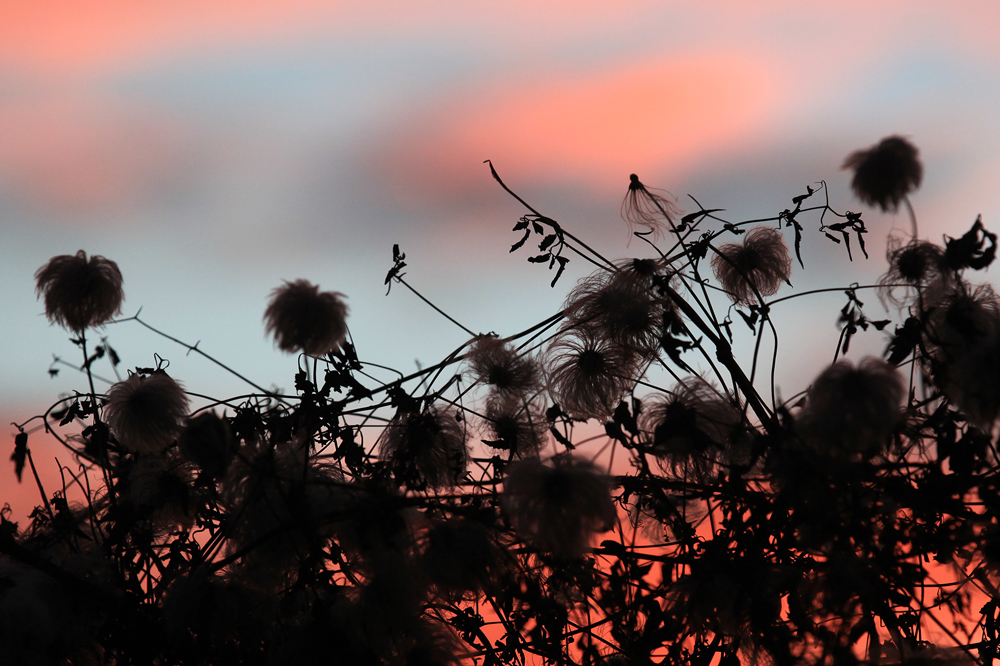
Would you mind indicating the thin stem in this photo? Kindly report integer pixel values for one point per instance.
(194, 348)
(436, 308)
(524, 203)
(827, 289)
(86, 366)
(913, 216)
(541, 325)
(725, 355)
(58, 361)
(41, 488)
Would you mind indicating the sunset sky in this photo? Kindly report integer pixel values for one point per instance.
(216, 148)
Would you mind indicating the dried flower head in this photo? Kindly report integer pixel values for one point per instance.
(207, 441)
(426, 448)
(693, 428)
(730, 593)
(916, 265)
(885, 173)
(145, 412)
(962, 338)
(505, 370)
(302, 318)
(758, 265)
(516, 426)
(621, 305)
(156, 489)
(588, 375)
(280, 503)
(80, 293)
(560, 506)
(650, 210)
(970, 378)
(389, 605)
(852, 409)
(960, 317)
(376, 525)
(461, 556)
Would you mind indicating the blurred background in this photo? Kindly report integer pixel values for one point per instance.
(214, 148)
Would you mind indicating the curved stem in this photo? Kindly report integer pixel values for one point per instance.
(913, 216)
(568, 235)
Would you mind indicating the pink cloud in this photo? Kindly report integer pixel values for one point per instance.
(652, 118)
(63, 35)
(69, 152)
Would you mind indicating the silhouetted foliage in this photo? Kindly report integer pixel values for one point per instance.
(538, 497)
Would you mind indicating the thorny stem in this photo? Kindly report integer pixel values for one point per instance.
(194, 348)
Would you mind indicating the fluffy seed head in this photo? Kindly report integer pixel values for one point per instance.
(760, 263)
(970, 378)
(207, 441)
(427, 448)
(649, 210)
(963, 341)
(80, 293)
(505, 370)
(302, 318)
(156, 489)
(588, 375)
(516, 426)
(917, 265)
(280, 504)
(693, 428)
(145, 413)
(621, 306)
(885, 173)
(461, 557)
(558, 507)
(214, 610)
(961, 317)
(852, 409)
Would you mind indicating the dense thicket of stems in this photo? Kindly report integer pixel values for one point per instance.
(468, 512)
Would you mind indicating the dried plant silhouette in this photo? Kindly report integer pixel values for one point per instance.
(613, 485)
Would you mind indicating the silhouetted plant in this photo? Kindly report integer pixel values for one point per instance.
(885, 173)
(301, 318)
(80, 293)
(540, 497)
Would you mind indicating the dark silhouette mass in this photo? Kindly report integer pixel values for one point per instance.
(614, 485)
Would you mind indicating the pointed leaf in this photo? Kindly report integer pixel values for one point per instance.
(20, 453)
(524, 239)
